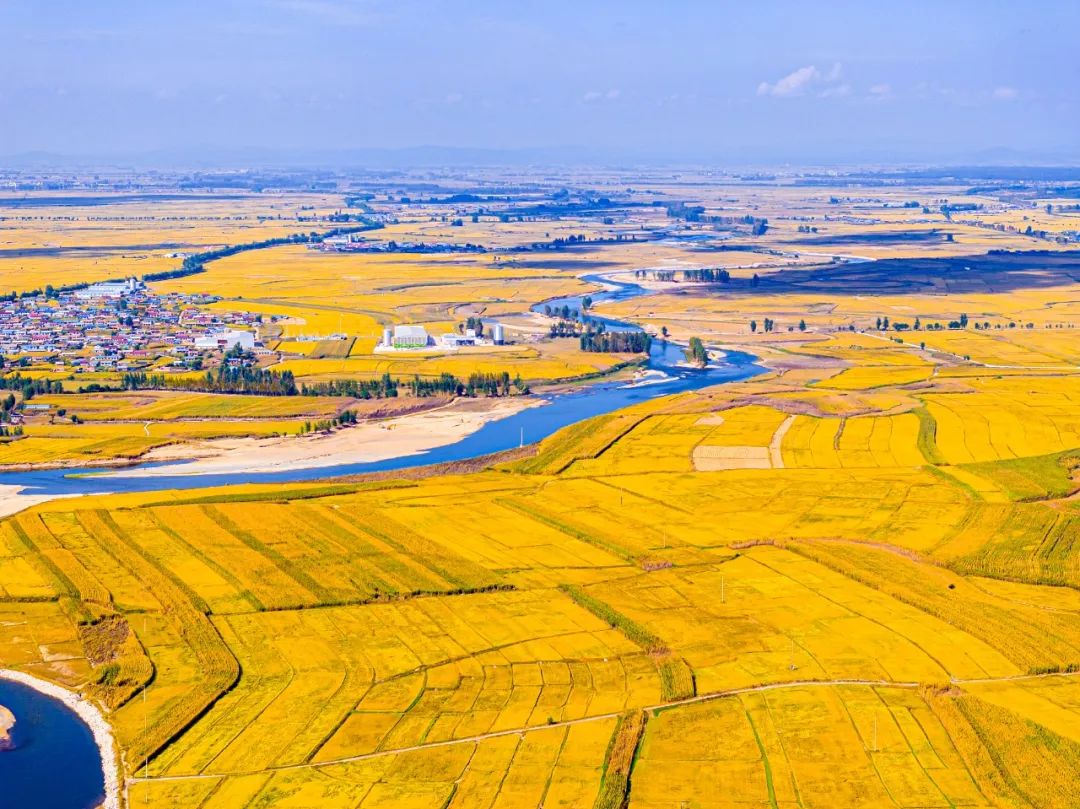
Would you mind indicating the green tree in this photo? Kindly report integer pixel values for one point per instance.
(696, 353)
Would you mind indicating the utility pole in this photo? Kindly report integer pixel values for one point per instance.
(791, 665)
(146, 763)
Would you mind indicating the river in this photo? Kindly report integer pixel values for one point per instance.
(51, 746)
(667, 375)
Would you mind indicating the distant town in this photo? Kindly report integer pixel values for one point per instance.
(119, 326)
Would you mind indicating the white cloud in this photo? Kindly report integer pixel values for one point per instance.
(592, 96)
(880, 90)
(793, 84)
(805, 80)
(454, 98)
(836, 91)
(1006, 93)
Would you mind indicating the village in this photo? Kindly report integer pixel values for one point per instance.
(118, 326)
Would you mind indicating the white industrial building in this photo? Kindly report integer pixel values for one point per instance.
(413, 337)
(226, 340)
(451, 340)
(409, 337)
(110, 289)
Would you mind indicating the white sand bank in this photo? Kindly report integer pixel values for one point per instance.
(364, 442)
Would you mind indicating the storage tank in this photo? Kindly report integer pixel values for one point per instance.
(498, 336)
(387, 336)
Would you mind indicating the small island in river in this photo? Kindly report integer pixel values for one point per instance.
(7, 722)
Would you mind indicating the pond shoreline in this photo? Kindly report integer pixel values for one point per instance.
(92, 718)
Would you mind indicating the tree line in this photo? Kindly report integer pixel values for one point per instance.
(703, 275)
(196, 262)
(387, 387)
(259, 382)
(29, 388)
(615, 342)
(707, 275)
(225, 379)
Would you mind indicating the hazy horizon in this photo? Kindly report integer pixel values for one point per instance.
(311, 81)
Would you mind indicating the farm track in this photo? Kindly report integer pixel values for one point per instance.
(711, 697)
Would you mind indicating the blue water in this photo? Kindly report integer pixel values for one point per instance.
(528, 426)
(55, 763)
(622, 291)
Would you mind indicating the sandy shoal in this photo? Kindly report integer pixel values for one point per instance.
(361, 443)
(12, 501)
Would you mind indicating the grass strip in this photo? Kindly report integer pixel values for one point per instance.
(619, 761)
(927, 438)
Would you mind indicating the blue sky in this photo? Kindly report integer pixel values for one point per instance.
(746, 82)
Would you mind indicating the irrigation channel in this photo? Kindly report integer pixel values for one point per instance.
(667, 374)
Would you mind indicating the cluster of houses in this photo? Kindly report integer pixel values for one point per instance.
(118, 326)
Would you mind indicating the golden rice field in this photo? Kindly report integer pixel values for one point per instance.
(851, 581)
(113, 236)
(352, 646)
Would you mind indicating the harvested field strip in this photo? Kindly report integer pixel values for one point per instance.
(121, 662)
(332, 348)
